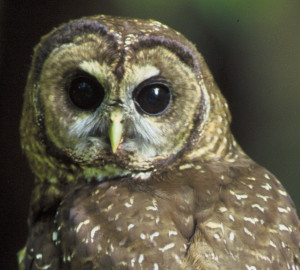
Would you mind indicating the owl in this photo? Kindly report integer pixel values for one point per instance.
(135, 166)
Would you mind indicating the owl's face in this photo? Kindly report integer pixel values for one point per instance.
(86, 105)
(110, 94)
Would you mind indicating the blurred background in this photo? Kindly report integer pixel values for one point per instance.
(251, 47)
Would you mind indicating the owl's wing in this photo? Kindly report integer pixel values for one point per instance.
(40, 251)
(252, 225)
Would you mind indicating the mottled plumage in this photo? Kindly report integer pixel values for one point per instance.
(135, 165)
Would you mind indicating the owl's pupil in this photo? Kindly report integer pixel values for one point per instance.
(86, 92)
(153, 99)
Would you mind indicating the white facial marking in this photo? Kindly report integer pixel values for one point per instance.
(82, 127)
(147, 135)
(141, 74)
(94, 68)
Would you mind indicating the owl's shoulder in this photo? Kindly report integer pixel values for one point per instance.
(243, 210)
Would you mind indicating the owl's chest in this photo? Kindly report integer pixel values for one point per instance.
(121, 226)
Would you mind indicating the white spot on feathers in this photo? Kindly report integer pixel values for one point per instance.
(258, 207)
(266, 186)
(141, 258)
(81, 224)
(155, 234)
(130, 226)
(250, 267)
(251, 220)
(282, 227)
(93, 231)
(172, 233)
(167, 247)
(239, 196)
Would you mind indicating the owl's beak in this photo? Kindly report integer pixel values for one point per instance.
(116, 130)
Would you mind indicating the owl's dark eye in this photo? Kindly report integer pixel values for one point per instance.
(86, 92)
(153, 99)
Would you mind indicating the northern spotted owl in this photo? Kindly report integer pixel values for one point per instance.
(135, 166)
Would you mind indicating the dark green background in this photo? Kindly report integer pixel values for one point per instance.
(252, 48)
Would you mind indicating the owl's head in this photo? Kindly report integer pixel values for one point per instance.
(110, 96)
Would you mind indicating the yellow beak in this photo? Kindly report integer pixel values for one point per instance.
(115, 130)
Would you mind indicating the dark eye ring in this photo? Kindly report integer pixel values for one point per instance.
(152, 98)
(85, 91)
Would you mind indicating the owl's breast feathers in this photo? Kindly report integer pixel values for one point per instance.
(212, 216)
